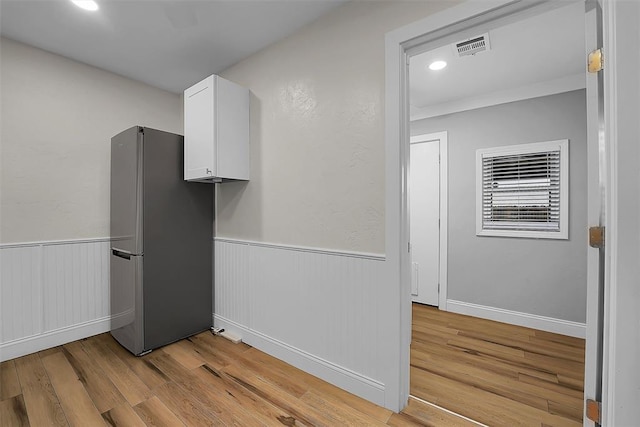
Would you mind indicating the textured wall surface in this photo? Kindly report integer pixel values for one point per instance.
(317, 135)
(546, 277)
(58, 117)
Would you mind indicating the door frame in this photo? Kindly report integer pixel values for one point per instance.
(398, 46)
(443, 150)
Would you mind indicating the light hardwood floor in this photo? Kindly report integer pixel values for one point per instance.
(497, 374)
(204, 380)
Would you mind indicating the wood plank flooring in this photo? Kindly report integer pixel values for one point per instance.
(497, 374)
(204, 380)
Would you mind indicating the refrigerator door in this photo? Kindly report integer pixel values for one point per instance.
(178, 230)
(126, 300)
(126, 191)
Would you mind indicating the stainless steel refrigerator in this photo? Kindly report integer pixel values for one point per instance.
(161, 231)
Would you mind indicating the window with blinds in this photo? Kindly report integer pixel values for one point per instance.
(522, 190)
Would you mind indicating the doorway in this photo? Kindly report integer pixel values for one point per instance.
(430, 43)
(428, 207)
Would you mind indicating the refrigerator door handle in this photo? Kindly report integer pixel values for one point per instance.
(121, 253)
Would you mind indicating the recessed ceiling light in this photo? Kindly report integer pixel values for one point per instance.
(86, 4)
(437, 65)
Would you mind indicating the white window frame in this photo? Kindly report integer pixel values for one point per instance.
(536, 147)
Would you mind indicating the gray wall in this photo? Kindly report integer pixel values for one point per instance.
(537, 276)
(58, 117)
(317, 132)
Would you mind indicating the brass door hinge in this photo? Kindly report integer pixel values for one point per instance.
(594, 411)
(596, 237)
(595, 61)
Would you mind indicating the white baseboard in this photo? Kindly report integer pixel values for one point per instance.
(23, 346)
(346, 379)
(549, 324)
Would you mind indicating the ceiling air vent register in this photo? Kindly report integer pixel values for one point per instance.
(473, 45)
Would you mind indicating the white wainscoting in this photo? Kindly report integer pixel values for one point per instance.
(314, 309)
(549, 324)
(52, 293)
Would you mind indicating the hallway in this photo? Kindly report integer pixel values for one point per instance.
(497, 374)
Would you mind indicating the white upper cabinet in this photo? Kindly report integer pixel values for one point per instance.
(216, 131)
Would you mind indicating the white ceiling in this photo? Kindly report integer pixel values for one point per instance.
(173, 44)
(524, 54)
(168, 44)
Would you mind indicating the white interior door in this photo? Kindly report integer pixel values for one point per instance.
(424, 212)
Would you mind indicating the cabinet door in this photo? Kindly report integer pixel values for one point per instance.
(199, 128)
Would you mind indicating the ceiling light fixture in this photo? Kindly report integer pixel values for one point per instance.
(86, 4)
(437, 65)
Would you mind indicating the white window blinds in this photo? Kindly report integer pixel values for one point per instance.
(521, 190)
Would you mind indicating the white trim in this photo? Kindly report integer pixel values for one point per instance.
(397, 313)
(610, 343)
(536, 90)
(23, 346)
(543, 323)
(344, 378)
(444, 222)
(427, 137)
(619, 388)
(54, 242)
(443, 137)
(440, 408)
(363, 255)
